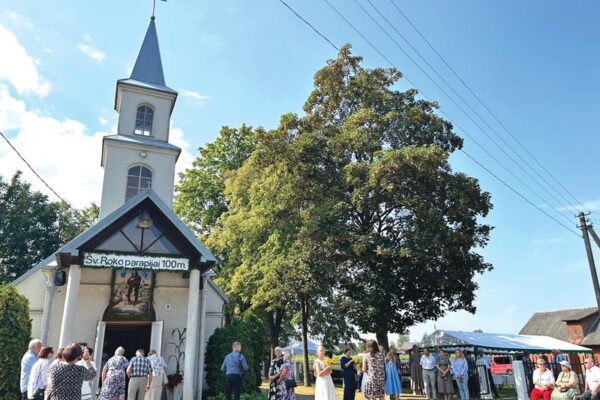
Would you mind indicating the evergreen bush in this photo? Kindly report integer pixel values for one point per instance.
(15, 333)
(250, 332)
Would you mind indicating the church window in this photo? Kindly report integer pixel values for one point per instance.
(138, 179)
(143, 121)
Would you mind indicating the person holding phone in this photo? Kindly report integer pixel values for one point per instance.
(68, 377)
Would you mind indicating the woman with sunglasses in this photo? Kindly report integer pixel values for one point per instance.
(543, 381)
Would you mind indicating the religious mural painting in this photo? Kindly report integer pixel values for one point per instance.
(131, 295)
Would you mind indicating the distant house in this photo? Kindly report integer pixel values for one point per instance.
(407, 347)
(579, 326)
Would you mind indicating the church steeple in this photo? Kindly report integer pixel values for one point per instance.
(139, 156)
(148, 66)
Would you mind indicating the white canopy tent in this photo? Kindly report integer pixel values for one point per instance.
(296, 348)
(499, 342)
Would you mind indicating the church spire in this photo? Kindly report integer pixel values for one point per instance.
(148, 66)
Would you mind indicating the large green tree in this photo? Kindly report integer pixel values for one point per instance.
(410, 225)
(32, 227)
(200, 199)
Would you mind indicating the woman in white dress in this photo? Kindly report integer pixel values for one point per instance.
(324, 389)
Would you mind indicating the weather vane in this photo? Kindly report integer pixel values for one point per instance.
(154, 6)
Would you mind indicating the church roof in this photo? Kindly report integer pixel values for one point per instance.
(73, 246)
(142, 140)
(148, 71)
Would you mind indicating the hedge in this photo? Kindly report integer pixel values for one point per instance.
(250, 332)
(15, 333)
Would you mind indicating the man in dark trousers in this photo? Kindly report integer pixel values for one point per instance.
(234, 366)
(349, 373)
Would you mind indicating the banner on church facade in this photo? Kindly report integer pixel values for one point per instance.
(135, 261)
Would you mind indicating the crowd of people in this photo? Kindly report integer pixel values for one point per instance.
(565, 385)
(68, 374)
(437, 375)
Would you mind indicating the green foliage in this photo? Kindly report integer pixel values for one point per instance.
(251, 334)
(32, 227)
(200, 200)
(15, 332)
(407, 225)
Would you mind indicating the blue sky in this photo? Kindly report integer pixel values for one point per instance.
(533, 63)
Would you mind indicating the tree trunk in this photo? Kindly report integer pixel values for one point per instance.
(274, 320)
(304, 323)
(382, 339)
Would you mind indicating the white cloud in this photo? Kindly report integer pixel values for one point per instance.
(186, 158)
(102, 120)
(198, 97)
(91, 52)
(61, 151)
(21, 72)
(87, 37)
(20, 21)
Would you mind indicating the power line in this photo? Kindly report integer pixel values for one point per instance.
(472, 158)
(563, 205)
(519, 194)
(36, 174)
(492, 113)
(535, 193)
(309, 24)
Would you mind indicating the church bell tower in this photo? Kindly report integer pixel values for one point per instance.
(139, 156)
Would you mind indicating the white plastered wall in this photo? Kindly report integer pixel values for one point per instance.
(132, 98)
(120, 157)
(94, 292)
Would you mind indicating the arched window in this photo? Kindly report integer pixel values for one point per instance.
(138, 179)
(143, 121)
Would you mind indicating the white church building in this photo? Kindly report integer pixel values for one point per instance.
(140, 273)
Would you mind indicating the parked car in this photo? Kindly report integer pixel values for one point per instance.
(501, 365)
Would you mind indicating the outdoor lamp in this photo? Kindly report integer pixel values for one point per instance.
(145, 221)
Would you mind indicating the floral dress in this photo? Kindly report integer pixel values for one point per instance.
(113, 386)
(375, 375)
(289, 394)
(275, 392)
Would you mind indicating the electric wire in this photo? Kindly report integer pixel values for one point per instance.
(38, 175)
(422, 93)
(309, 24)
(480, 101)
(535, 193)
(563, 206)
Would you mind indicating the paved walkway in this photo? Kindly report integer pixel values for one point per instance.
(308, 393)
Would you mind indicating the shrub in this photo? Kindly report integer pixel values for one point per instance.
(15, 333)
(250, 332)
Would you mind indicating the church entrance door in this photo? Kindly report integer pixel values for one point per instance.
(129, 336)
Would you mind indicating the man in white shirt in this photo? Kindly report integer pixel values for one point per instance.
(592, 380)
(428, 364)
(543, 381)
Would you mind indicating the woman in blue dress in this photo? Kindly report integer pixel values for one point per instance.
(393, 387)
(113, 377)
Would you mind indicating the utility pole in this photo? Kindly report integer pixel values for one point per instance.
(588, 249)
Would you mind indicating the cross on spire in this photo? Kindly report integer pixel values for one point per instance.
(154, 6)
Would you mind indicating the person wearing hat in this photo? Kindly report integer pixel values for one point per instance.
(567, 384)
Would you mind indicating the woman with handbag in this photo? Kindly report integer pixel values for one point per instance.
(567, 384)
(159, 377)
(288, 378)
(39, 374)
